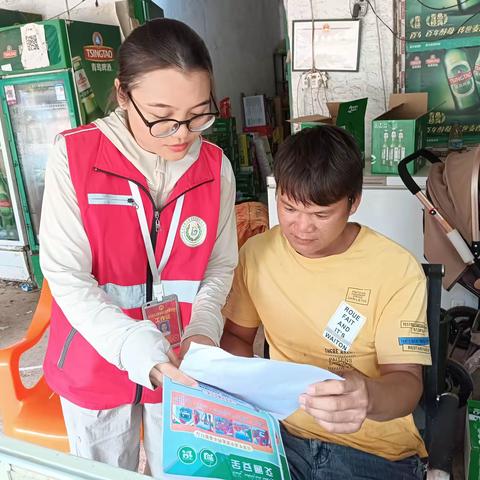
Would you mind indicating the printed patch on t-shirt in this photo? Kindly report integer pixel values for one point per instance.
(344, 326)
(415, 328)
(358, 295)
(415, 344)
(339, 361)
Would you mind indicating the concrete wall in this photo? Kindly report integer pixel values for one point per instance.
(241, 35)
(367, 82)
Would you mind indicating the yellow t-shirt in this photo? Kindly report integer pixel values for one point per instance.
(370, 302)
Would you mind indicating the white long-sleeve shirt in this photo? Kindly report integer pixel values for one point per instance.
(66, 259)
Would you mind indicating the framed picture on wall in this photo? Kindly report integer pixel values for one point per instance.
(334, 43)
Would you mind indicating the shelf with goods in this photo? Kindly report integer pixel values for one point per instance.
(242, 150)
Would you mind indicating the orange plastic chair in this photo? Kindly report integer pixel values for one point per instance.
(31, 414)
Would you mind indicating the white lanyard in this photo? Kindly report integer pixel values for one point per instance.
(158, 292)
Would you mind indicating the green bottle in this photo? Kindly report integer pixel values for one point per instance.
(455, 138)
(91, 110)
(460, 79)
(8, 230)
(401, 146)
(468, 6)
(384, 158)
(393, 150)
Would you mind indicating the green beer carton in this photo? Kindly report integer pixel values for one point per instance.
(452, 79)
(348, 115)
(472, 441)
(399, 132)
(15, 17)
(444, 25)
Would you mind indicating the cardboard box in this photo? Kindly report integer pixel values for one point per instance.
(349, 115)
(452, 79)
(399, 132)
(444, 26)
(472, 441)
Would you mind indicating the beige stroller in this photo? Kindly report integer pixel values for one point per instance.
(452, 233)
(451, 241)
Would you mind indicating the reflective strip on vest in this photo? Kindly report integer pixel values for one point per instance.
(109, 199)
(133, 296)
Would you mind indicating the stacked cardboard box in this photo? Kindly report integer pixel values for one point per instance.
(443, 60)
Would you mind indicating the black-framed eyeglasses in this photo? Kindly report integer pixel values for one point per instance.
(168, 126)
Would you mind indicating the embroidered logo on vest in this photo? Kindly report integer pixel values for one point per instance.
(193, 231)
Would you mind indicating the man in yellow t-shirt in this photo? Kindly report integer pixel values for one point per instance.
(342, 297)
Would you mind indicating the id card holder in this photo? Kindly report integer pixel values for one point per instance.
(165, 314)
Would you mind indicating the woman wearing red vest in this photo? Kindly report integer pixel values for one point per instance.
(138, 244)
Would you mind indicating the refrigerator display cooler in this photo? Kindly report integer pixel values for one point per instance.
(55, 75)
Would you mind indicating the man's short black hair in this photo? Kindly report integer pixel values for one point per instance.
(319, 166)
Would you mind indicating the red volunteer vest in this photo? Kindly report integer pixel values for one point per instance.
(100, 176)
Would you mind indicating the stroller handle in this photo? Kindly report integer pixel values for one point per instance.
(407, 179)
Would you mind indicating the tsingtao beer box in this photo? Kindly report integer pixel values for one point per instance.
(443, 59)
(452, 79)
(399, 132)
(441, 24)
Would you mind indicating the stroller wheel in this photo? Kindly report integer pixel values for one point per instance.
(460, 321)
(458, 381)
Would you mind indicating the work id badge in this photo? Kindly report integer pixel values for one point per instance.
(165, 314)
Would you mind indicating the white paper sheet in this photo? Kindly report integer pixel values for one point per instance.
(269, 384)
(34, 46)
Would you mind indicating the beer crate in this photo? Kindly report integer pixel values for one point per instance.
(223, 140)
(224, 125)
(224, 135)
(246, 184)
(399, 132)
